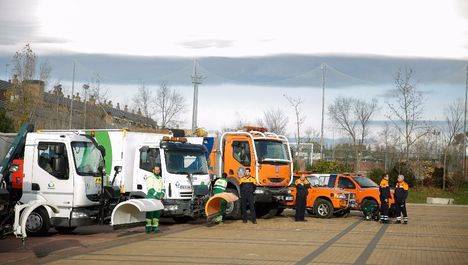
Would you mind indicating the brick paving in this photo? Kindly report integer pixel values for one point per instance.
(435, 235)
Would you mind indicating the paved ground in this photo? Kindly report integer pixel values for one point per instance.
(435, 235)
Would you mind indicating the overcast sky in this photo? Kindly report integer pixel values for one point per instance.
(426, 28)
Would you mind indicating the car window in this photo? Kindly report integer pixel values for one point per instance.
(149, 158)
(331, 181)
(346, 183)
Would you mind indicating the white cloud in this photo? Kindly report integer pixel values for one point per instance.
(428, 28)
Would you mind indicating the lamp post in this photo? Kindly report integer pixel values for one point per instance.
(85, 87)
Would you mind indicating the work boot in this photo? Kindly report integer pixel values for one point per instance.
(398, 220)
(244, 221)
(254, 221)
(405, 220)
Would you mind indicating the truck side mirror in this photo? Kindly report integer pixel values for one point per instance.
(118, 169)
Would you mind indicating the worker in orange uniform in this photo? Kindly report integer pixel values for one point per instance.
(384, 189)
(302, 190)
(247, 188)
(401, 193)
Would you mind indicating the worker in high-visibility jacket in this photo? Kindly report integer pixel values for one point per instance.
(247, 189)
(155, 187)
(401, 193)
(384, 189)
(220, 187)
(302, 190)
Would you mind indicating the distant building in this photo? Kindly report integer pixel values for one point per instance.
(51, 110)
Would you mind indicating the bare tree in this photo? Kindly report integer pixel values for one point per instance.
(169, 105)
(143, 100)
(44, 72)
(97, 91)
(296, 103)
(24, 63)
(406, 109)
(353, 116)
(454, 118)
(311, 134)
(275, 120)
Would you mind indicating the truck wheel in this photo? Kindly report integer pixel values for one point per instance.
(63, 230)
(38, 222)
(323, 208)
(279, 211)
(233, 210)
(266, 210)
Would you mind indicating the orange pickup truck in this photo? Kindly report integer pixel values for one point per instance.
(364, 188)
(322, 201)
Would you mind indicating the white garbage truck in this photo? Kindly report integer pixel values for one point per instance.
(183, 163)
(55, 179)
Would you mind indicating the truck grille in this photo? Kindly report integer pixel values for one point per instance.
(276, 180)
(186, 194)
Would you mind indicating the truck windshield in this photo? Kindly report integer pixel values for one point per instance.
(183, 162)
(365, 182)
(87, 158)
(271, 151)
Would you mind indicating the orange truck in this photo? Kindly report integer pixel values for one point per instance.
(267, 155)
(322, 201)
(364, 188)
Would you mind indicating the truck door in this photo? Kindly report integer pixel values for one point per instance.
(148, 158)
(238, 154)
(51, 173)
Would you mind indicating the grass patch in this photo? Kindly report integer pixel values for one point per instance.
(419, 194)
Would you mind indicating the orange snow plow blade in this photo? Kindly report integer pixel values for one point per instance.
(213, 205)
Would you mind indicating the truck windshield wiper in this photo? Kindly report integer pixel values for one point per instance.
(181, 173)
(199, 173)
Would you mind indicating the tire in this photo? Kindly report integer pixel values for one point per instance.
(182, 219)
(266, 210)
(63, 230)
(233, 210)
(323, 208)
(279, 211)
(38, 222)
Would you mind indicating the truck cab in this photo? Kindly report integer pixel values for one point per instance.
(61, 169)
(266, 154)
(183, 163)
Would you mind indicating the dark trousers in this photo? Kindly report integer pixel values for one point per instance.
(383, 207)
(401, 209)
(247, 200)
(300, 206)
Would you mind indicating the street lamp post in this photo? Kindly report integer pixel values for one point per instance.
(85, 87)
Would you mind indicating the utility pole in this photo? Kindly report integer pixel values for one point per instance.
(464, 124)
(71, 98)
(196, 80)
(6, 72)
(85, 87)
(323, 67)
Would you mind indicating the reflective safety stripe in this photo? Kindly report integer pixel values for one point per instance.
(148, 222)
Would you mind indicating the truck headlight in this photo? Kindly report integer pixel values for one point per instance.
(79, 215)
(171, 208)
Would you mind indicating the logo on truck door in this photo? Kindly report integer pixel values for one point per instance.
(182, 187)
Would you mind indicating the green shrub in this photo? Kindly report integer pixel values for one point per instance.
(322, 166)
(404, 169)
(376, 174)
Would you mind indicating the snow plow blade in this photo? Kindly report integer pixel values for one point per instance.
(213, 205)
(133, 212)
